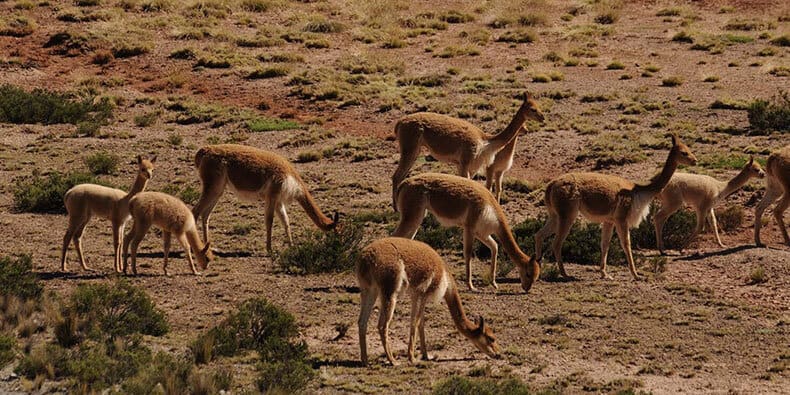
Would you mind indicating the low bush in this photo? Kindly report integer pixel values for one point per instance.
(17, 278)
(676, 232)
(46, 107)
(672, 81)
(323, 252)
(582, 246)
(44, 194)
(731, 218)
(7, 348)
(169, 372)
(767, 115)
(102, 163)
(260, 326)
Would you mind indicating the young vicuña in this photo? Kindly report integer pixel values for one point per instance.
(388, 265)
(613, 201)
(701, 193)
(455, 141)
(254, 175)
(458, 201)
(84, 201)
(174, 218)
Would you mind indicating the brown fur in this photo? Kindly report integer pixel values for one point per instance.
(385, 267)
(255, 175)
(87, 200)
(495, 172)
(701, 193)
(777, 186)
(174, 218)
(613, 201)
(454, 141)
(458, 201)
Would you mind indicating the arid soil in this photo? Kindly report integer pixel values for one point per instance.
(697, 326)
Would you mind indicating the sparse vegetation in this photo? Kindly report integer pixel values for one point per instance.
(46, 107)
(44, 193)
(102, 163)
(328, 252)
(672, 81)
(17, 278)
(767, 115)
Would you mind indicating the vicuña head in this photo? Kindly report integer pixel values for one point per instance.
(388, 265)
(85, 201)
(455, 141)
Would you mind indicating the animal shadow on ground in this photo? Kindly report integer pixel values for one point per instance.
(728, 251)
(56, 275)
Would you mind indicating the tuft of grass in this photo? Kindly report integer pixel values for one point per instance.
(458, 385)
(728, 104)
(147, 119)
(319, 24)
(540, 77)
(453, 16)
(683, 37)
(270, 124)
(767, 51)
(672, 81)
(7, 348)
(612, 149)
(782, 41)
(517, 36)
(308, 156)
(328, 252)
(767, 115)
(672, 11)
(102, 163)
(269, 72)
(615, 66)
(44, 194)
(213, 62)
(780, 71)
(607, 17)
(757, 276)
(17, 278)
(748, 25)
(184, 53)
(428, 81)
(711, 78)
(17, 25)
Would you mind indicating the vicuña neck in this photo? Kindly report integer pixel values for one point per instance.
(510, 245)
(734, 184)
(194, 241)
(453, 301)
(661, 180)
(510, 132)
(138, 186)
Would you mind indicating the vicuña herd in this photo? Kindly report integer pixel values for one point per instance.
(389, 265)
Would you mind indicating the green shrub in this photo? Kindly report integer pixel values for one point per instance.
(270, 124)
(782, 41)
(770, 115)
(757, 276)
(147, 119)
(47, 360)
(166, 370)
(46, 107)
(459, 385)
(110, 311)
(102, 163)
(44, 194)
(17, 277)
(730, 218)
(7, 348)
(672, 81)
(677, 229)
(438, 236)
(287, 376)
(319, 24)
(323, 252)
(517, 36)
(17, 25)
(615, 66)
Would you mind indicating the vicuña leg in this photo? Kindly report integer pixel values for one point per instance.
(282, 215)
(772, 192)
(412, 213)
(715, 226)
(78, 242)
(166, 238)
(368, 300)
(469, 252)
(548, 229)
(667, 209)
(562, 229)
(72, 227)
(182, 238)
(492, 245)
(421, 315)
(268, 219)
(416, 300)
(213, 185)
(139, 229)
(409, 151)
(779, 210)
(625, 242)
(385, 317)
(607, 228)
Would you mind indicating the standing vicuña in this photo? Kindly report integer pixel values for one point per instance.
(777, 186)
(254, 175)
(454, 141)
(385, 267)
(701, 193)
(610, 200)
(458, 201)
(86, 200)
(173, 217)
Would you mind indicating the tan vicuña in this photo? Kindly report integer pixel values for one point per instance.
(85, 201)
(458, 201)
(456, 141)
(701, 192)
(777, 186)
(254, 175)
(613, 201)
(386, 266)
(174, 218)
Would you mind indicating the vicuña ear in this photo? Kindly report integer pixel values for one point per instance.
(336, 217)
(674, 139)
(751, 160)
(139, 159)
(527, 95)
(153, 160)
(206, 248)
(481, 322)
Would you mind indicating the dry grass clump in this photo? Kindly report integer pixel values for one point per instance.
(17, 25)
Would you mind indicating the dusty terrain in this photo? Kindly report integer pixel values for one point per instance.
(696, 327)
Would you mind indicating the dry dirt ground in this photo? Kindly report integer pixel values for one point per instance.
(696, 327)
